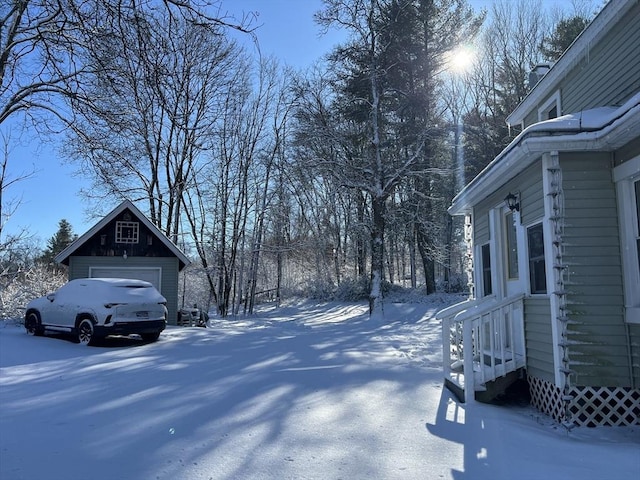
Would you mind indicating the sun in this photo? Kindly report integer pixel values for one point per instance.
(461, 58)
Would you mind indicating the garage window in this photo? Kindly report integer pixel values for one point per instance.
(127, 232)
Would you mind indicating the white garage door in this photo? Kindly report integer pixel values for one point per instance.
(151, 275)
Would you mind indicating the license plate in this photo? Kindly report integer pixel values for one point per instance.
(142, 314)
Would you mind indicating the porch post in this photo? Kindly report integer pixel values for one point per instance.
(469, 377)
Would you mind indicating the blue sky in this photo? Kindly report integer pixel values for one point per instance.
(286, 31)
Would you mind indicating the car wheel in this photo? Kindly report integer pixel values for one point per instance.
(150, 337)
(32, 324)
(86, 334)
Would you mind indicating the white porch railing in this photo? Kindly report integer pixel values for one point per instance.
(482, 340)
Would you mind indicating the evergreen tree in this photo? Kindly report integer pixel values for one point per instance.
(58, 242)
(565, 32)
(386, 81)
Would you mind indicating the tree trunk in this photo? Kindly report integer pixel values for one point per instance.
(377, 256)
(428, 263)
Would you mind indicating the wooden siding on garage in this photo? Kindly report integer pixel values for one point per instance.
(597, 333)
(79, 268)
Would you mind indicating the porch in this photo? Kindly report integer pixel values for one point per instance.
(483, 341)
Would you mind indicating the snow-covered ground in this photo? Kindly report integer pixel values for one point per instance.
(307, 391)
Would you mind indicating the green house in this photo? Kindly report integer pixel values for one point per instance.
(553, 234)
(125, 244)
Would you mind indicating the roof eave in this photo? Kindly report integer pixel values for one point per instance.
(529, 145)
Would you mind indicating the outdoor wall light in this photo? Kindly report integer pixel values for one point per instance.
(513, 201)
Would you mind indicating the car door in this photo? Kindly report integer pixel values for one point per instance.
(60, 311)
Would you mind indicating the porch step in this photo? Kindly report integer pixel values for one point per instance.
(510, 388)
(456, 389)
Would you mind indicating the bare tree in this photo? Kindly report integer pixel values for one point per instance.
(43, 45)
(509, 48)
(9, 204)
(154, 109)
(227, 203)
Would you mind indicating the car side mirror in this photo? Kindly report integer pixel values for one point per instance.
(51, 297)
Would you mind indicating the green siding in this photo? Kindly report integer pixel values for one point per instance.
(529, 184)
(597, 333)
(79, 268)
(628, 151)
(481, 232)
(537, 310)
(531, 194)
(634, 352)
(531, 118)
(538, 338)
(609, 73)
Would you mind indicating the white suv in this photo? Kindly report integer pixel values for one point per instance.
(94, 308)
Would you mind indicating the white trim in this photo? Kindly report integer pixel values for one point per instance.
(478, 268)
(516, 285)
(123, 226)
(625, 176)
(630, 168)
(495, 246)
(551, 161)
(553, 101)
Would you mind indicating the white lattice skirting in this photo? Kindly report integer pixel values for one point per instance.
(588, 406)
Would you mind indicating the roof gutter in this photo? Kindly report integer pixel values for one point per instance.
(544, 137)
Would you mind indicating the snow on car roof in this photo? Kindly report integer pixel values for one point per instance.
(113, 289)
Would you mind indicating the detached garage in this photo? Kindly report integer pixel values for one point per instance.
(125, 244)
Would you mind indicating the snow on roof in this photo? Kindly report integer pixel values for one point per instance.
(116, 282)
(584, 121)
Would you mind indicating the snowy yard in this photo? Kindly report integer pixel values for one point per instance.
(309, 391)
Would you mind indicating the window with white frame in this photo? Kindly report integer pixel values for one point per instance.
(627, 178)
(485, 265)
(537, 268)
(127, 232)
(551, 108)
(511, 241)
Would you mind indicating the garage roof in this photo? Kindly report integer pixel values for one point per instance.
(63, 257)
